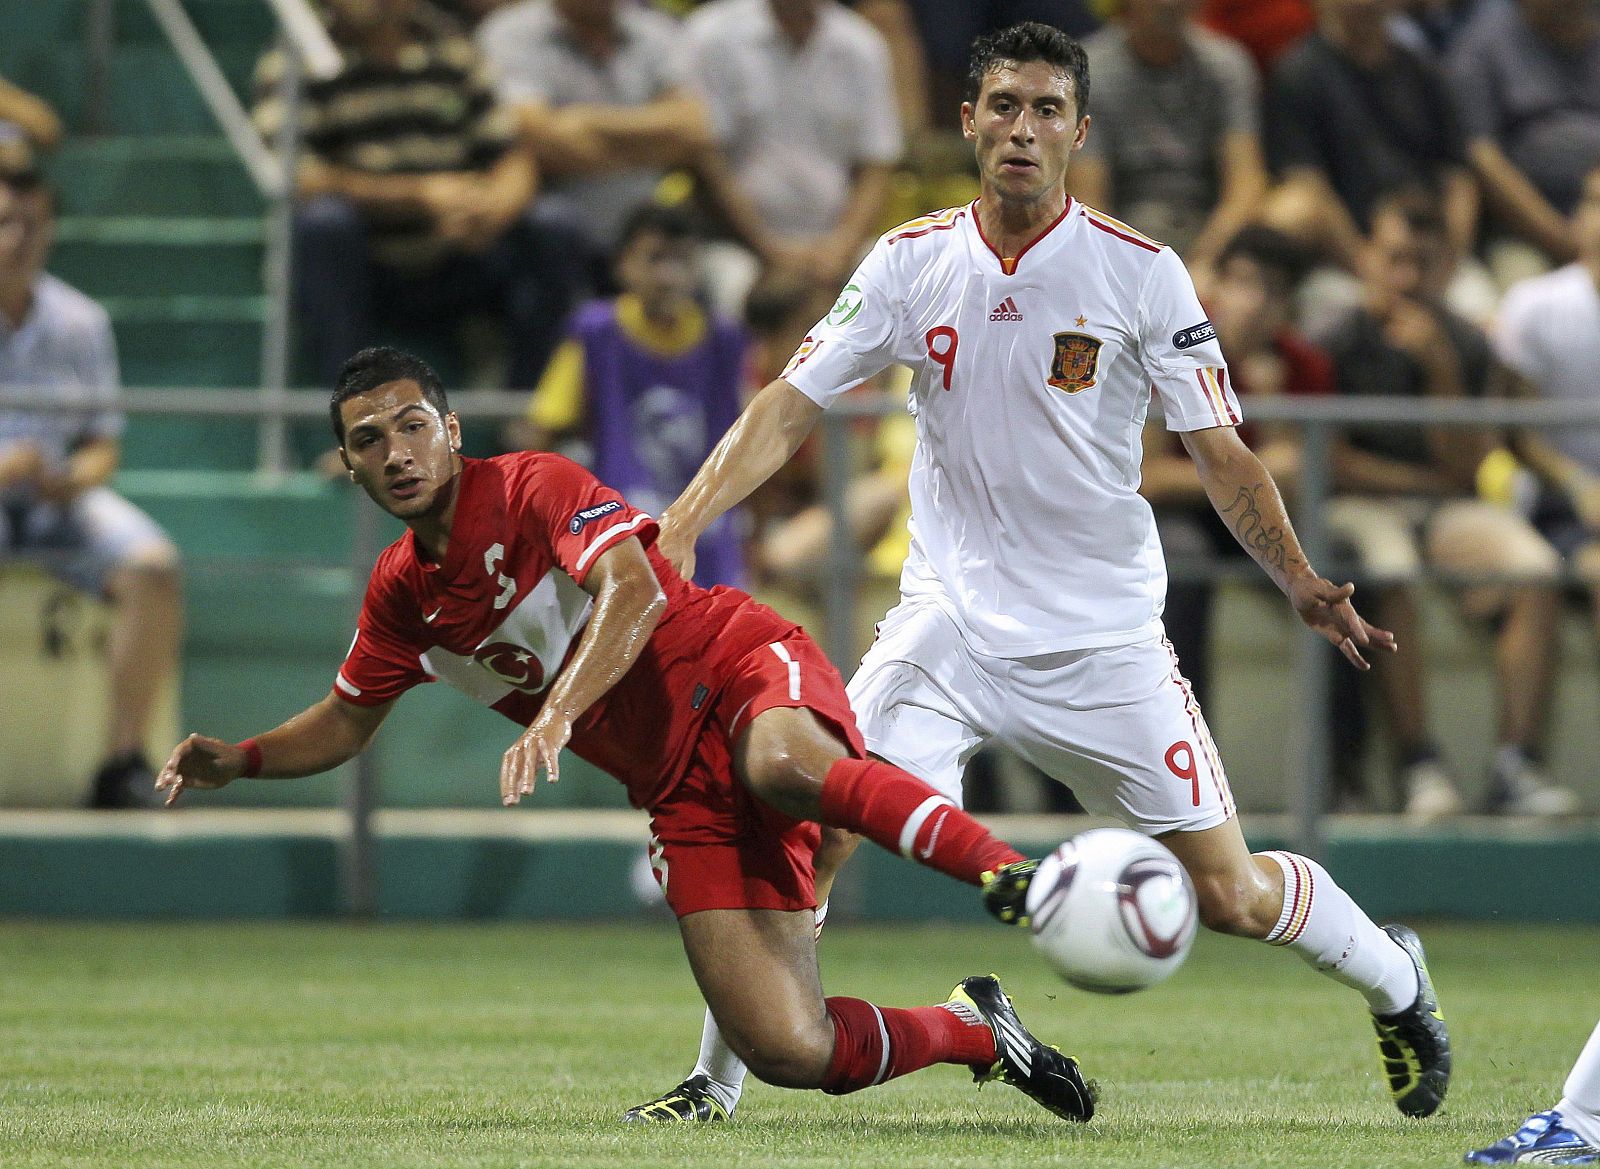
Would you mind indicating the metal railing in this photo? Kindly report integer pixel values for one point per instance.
(1319, 419)
(308, 52)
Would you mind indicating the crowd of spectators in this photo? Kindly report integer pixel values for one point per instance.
(652, 200)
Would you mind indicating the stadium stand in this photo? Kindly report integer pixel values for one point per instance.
(160, 222)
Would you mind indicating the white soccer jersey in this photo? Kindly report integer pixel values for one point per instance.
(1032, 380)
(1549, 332)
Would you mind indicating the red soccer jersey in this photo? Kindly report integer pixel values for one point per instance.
(503, 612)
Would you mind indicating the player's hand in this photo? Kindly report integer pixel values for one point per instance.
(1326, 608)
(676, 545)
(199, 762)
(538, 748)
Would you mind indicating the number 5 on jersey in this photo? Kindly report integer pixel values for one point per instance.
(942, 341)
(491, 564)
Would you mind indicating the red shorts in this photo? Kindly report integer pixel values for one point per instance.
(716, 845)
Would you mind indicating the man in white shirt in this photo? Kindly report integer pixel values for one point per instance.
(1030, 613)
(57, 509)
(600, 89)
(1548, 334)
(802, 104)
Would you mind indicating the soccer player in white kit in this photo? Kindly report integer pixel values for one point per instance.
(1569, 1133)
(1037, 329)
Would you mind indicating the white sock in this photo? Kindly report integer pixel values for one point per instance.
(718, 1064)
(1325, 927)
(1580, 1096)
(724, 1071)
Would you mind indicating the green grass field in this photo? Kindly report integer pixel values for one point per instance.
(442, 1046)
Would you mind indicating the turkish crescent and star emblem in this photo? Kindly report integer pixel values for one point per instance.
(513, 664)
(1073, 366)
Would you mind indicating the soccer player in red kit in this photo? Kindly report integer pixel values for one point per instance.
(536, 589)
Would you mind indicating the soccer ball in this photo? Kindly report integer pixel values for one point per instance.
(1112, 911)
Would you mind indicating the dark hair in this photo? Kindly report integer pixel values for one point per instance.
(1275, 251)
(1030, 41)
(378, 366)
(1420, 208)
(671, 223)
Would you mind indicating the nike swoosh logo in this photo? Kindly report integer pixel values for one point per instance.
(933, 837)
(429, 617)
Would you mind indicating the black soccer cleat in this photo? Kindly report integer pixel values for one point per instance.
(1051, 1079)
(1005, 891)
(688, 1103)
(1415, 1044)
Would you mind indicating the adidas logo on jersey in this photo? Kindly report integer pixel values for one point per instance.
(1006, 310)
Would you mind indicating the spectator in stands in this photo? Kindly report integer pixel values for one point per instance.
(56, 509)
(1266, 28)
(1526, 77)
(1175, 148)
(22, 114)
(1407, 496)
(896, 22)
(413, 193)
(649, 381)
(1352, 114)
(469, 13)
(1549, 337)
(601, 88)
(792, 523)
(1432, 26)
(801, 98)
(1249, 301)
(948, 28)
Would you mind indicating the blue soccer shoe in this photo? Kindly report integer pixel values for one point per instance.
(1543, 1139)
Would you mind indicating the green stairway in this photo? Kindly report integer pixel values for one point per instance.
(160, 221)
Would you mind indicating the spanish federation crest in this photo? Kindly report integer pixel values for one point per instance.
(1074, 366)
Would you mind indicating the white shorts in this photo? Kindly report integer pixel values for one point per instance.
(84, 542)
(1120, 726)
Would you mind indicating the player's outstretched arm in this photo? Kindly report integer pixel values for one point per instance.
(1248, 501)
(317, 739)
(761, 441)
(628, 605)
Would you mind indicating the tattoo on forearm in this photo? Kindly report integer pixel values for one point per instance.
(1265, 543)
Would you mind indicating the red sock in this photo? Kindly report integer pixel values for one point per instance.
(902, 814)
(874, 1044)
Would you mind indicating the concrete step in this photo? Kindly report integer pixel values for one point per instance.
(153, 175)
(150, 256)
